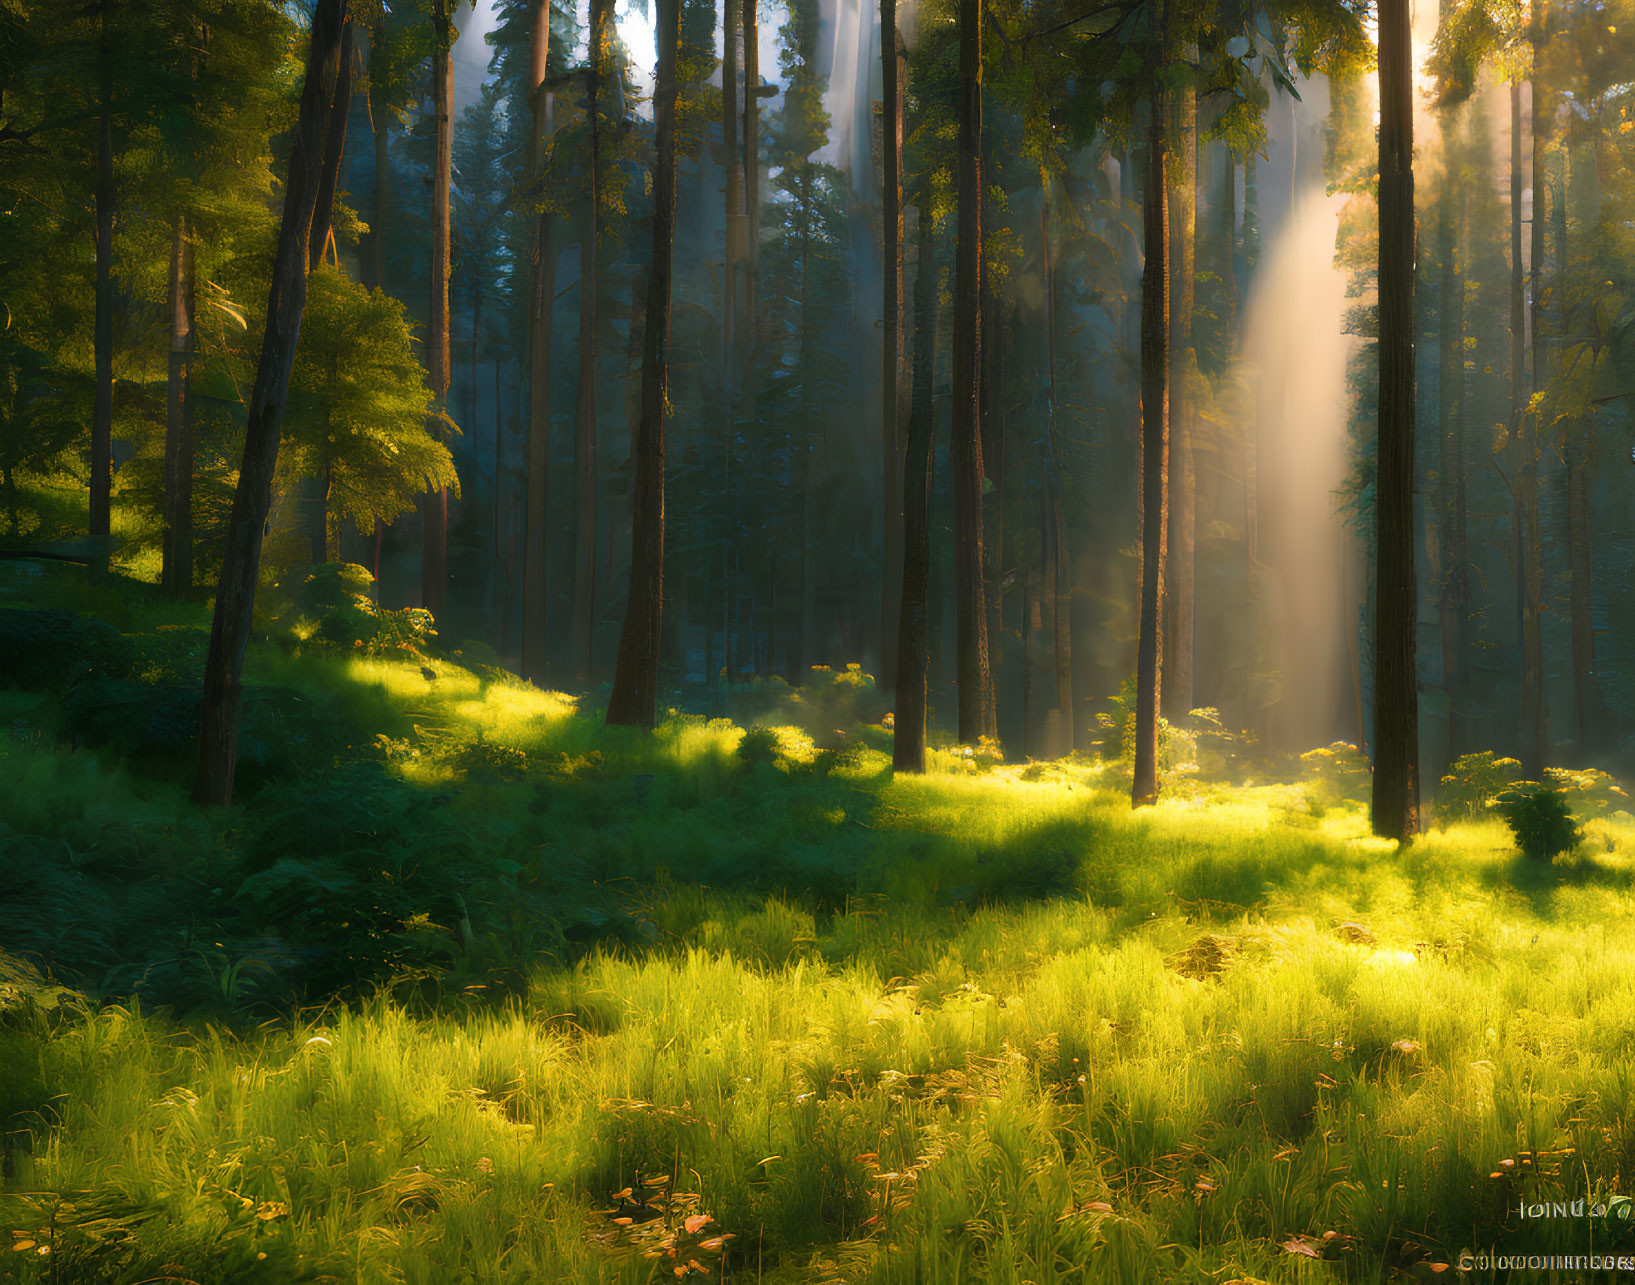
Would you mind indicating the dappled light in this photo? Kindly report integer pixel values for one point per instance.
(933, 642)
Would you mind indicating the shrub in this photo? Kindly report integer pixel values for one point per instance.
(1539, 818)
(332, 606)
(1473, 782)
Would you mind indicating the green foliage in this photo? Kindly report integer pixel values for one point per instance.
(1176, 746)
(1539, 817)
(360, 407)
(1473, 781)
(333, 606)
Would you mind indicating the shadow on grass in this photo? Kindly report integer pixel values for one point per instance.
(1539, 880)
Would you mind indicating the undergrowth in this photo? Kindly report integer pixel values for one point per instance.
(469, 987)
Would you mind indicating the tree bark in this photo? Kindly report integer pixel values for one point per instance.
(1054, 517)
(584, 438)
(235, 595)
(733, 302)
(102, 405)
(976, 712)
(1395, 804)
(752, 161)
(635, 685)
(1454, 598)
(1155, 326)
(542, 291)
(334, 145)
(913, 629)
(892, 67)
(176, 569)
(381, 122)
(1535, 728)
(1580, 456)
(434, 506)
(1180, 577)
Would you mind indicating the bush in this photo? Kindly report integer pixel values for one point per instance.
(332, 606)
(1539, 818)
(1473, 782)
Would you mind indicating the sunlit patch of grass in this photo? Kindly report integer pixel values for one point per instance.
(986, 1023)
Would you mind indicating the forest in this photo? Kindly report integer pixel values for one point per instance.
(817, 642)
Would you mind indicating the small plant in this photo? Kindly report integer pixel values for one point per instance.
(760, 745)
(1539, 818)
(487, 761)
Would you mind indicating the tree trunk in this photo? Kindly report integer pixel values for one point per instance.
(976, 712)
(434, 506)
(1518, 377)
(1395, 809)
(496, 563)
(102, 405)
(913, 630)
(1179, 570)
(803, 476)
(733, 291)
(235, 595)
(892, 66)
(381, 122)
(752, 162)
(318, 238)
(1454, 597)
(1059, 567)
(635, 685)
(176, 571)
(1535, 728)
(1155, 319)
(1580, 455)
(542, 291)
(584, 437)
(471, 407)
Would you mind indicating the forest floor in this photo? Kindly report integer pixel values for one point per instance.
(467, 987)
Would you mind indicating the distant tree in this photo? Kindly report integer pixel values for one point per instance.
(599, 66)
(434, 507)
(908, 722)
(634, 701)
(893, 387)
(976, 709)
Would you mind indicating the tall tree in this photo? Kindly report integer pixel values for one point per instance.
(908, 719)
(1395, 804)
(976, 710)
(1453, 595)
(1534, 727)
(1053, 518)
(235, 595)
(1179, 571)
(634, 701)
(584, 436)
(434, 508)
(541, 292)
(176, 562)
(1155, 326)
(893, 66)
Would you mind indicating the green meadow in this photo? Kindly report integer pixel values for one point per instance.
(467, 987)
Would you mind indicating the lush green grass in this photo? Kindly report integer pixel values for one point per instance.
(438, 1007)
